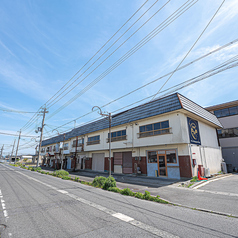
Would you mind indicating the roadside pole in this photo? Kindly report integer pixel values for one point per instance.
(62, 156)
(17, 146)
(75, 156)
(109, 115)
(2, 151)
(41, 135)
(110, 136)
(12, 150)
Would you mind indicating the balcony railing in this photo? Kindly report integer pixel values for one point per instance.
(118, 138)
(93, 142)
(155, 132)
(79, 145)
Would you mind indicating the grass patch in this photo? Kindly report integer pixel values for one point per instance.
(194, 179)
(114, 189)
(60, 173)
(127, 192)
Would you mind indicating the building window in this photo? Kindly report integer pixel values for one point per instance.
(226, 112)
(155, 129)
(227, 133)
(42, 150)
(152, 157)
(171, 156)
(80, 142)
(48, 149)
(54, 149)
(117, 136)
(93, 140)
(66, 146)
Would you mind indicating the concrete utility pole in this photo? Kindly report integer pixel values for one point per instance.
(41, 135)
(75, 157)
(62, 156)
(1, 151)
(17, 146)
(110, 125)
(12, 150)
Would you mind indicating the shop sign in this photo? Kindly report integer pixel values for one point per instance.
(193, 131)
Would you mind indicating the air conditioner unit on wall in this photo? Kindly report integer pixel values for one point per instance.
(207, 173)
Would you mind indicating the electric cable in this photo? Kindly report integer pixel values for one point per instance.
(191, 48)
(145, 40)
(155, 80)
(53, 103)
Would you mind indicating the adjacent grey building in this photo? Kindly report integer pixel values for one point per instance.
(227, 113)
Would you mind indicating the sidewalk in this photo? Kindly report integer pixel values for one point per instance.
(172, 191)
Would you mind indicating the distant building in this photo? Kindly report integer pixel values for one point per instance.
(227, 113)
(169, 137)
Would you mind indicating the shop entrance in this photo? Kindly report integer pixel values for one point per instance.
(162, 164)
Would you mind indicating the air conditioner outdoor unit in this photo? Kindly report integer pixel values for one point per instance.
(207, 173)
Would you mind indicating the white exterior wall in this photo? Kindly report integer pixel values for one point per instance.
(208, 157)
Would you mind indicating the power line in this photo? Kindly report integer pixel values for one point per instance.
(157, 79)
(145, 40)
(32, 120)
(191, 48)
(100, 49)
(106, 52)
(218, 69)
(15, 111)
(9, 134)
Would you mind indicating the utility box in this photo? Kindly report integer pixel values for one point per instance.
(207, 173)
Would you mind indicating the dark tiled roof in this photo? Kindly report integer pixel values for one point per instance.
(162, 105)
(157, 107)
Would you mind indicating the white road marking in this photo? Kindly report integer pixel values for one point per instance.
(3, 206)
(62, 191)
(123, 217)
(117, 215)
(209, 181)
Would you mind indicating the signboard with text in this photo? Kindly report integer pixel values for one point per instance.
(193, 131)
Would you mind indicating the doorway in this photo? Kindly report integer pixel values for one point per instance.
(162, 165)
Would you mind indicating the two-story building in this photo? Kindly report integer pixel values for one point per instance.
(227, 113)
(168, 137)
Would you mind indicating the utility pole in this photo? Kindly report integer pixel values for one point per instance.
(12, 150)
(75, 156)
(41, 135)
(109, 115)
(62, 153)
(1, 151)
(17, 146)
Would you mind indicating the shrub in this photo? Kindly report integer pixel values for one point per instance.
(29, 168)
(114, 189)
(47, 173)
(66, 177)
(146, 196)
(60, 173)
(110, 182)
(194, 179)
(127, 192)
(139, 195)
(99, 181)
(35, 168)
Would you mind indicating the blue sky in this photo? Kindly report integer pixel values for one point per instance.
(43, 44)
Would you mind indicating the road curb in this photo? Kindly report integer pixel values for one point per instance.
(201, 209)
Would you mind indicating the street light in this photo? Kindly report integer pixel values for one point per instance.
(110, 122)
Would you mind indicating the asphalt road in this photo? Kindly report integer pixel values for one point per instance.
(36, 205)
